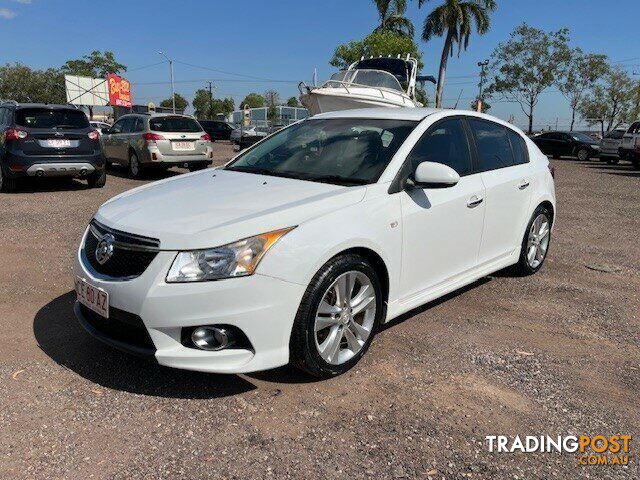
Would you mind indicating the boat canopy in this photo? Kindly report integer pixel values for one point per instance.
(364, 77)
(399, 67)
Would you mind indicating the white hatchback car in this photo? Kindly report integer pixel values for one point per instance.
(303, 245)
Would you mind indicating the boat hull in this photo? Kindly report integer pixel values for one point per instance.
(323, 100)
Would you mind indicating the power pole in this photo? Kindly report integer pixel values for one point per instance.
(173, 91)
(483, 79)
(210, 100)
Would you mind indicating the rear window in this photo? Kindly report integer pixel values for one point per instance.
(51, 118)
(174, 124)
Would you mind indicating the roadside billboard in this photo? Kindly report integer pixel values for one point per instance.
(86, 91)
(119, 91)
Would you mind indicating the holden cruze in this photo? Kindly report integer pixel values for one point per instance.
(300, 247)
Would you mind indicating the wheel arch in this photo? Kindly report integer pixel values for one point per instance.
(377, 263)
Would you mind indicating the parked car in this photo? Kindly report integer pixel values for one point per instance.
(610, 145)
(216, 129)
(301, 247)
(39, 140)
(141, 141)
(568, 144)
(100, 126)
(245, 136)
(630, 148)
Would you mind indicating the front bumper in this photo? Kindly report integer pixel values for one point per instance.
(262, 307)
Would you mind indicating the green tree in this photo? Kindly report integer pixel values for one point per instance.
(181, 102)
(455, 19)
(578, 75)
(611, 102)
(526, 65)
(392, 19)
(252, 100)
(206, 107)
(272, 100)
(97, 64)
(378, 43)
(22, 84)
(293, 102)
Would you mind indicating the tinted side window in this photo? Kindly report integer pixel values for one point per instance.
(128, 125)
(519, 147)
(139, 126)
(3, 117)
(494, 148)
(444, 143)
(117, 127)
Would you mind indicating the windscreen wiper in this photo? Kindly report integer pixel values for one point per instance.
(336, 179)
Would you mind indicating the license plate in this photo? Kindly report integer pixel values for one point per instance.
(184, 145)
(57, 143)
(92, 297)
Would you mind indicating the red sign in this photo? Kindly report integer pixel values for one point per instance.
(119, 91)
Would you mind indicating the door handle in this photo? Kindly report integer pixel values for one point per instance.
(474, 201)
(524, 184)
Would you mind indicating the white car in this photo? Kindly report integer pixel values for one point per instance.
(610, 145)
(100, 126)
(303, 245)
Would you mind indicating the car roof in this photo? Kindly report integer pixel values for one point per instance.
(51, 106)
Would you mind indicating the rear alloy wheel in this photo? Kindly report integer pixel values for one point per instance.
(535, 243)
(337, 318)
(583, 155)
(135, 170)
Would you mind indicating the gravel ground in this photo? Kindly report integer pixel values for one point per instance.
(556, 353)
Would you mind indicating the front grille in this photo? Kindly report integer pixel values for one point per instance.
(130, 257)
(122, 329)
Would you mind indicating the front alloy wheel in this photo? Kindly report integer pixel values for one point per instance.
(345, 317)
(337, 318)
(583, 155)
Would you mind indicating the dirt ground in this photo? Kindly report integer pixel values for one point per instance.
(557, 353)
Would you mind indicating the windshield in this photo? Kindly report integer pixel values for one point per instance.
(174, 124)
(51, 118)
(369, 78)
(344, 151)
(582, 137)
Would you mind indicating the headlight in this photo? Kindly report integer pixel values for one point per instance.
(236, 259)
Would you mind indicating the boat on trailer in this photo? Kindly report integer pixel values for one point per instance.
(369, 82)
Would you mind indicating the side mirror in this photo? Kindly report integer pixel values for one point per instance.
(433, 175)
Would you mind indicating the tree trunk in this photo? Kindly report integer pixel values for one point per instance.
(573, 118)
(446, 50)
(90, 112)
(530, 119)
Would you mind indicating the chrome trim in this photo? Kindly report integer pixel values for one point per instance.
(95, 227)
(60, 169)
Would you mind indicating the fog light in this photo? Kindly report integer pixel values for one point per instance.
(211, 338)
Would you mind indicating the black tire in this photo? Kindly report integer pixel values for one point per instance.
(613, 160)
(135, 168)
(195, 168)
(636, 163)
(583, 155)
(523, 268)
(302, 345)
(108, 163)
(7, 184)
(97, 179)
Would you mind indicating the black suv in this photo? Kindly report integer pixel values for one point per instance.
(217, 129)
(39, 140)
(570, 144)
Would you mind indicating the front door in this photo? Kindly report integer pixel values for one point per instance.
(442, 227)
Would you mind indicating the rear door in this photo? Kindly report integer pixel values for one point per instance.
(181, 135)
(506, 174)
(54, 132)
(109, 139)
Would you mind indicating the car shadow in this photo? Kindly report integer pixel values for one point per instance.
(625, 169)
(60, 336)
(150, 174)
(51, 184)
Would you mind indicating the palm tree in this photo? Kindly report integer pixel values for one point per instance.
(455, 19)
(392, 17)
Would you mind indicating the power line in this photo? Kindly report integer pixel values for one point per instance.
(231, 73)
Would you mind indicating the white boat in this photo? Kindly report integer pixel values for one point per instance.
(369, 82)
